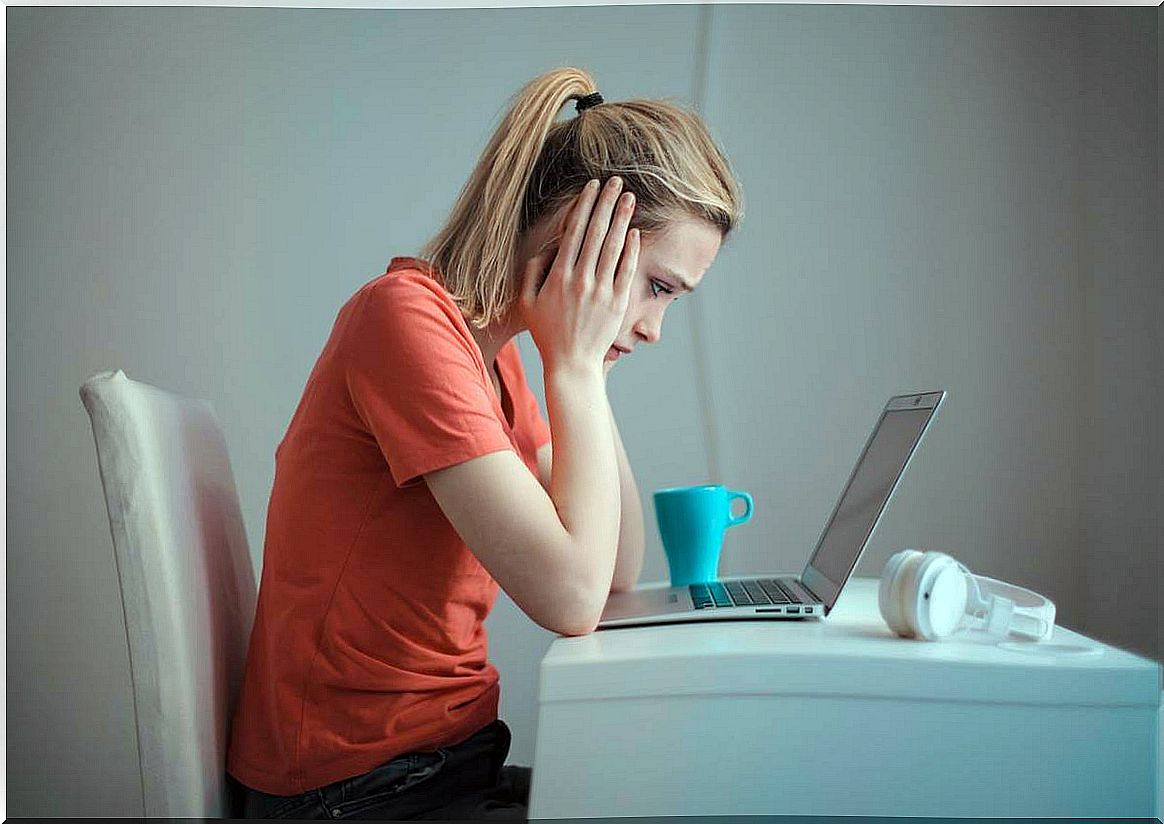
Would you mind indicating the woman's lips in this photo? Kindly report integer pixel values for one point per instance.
(612, 354)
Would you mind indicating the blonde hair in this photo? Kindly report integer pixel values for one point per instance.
(533, 165)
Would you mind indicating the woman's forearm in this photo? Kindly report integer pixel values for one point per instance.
(631, 537)
(583, 482)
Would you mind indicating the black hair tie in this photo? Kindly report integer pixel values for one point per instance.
(586, 102)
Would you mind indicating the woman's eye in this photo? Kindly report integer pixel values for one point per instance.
(657, 287)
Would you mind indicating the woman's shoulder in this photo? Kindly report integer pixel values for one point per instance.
(408, 276)
(406, 301)
(410, 265)
(408, 285)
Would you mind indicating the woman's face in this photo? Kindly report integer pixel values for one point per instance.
(671, 263)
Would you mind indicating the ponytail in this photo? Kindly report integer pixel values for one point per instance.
(474, 253)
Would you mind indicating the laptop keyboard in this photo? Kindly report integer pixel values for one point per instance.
(741, 593)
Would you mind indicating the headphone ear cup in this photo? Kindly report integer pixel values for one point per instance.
(885, 590)
(889, 592)
(941, 597)
(909, 596)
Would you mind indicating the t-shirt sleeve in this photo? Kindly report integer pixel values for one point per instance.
(414, 379)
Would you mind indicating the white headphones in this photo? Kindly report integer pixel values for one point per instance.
(930, 595)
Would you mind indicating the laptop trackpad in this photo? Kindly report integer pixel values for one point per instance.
(647, 602)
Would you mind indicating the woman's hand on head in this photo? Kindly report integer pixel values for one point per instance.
(577, 312)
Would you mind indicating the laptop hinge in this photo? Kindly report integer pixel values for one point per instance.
(800, 583)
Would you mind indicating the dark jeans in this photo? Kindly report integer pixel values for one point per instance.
(466, 780)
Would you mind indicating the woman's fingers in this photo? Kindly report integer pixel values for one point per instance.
(573, 237)
(599, 226)
(628, 263)
(607, 268)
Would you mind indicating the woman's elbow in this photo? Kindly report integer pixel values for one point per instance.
(584, 613)
(570, 624)
(622, 586)
(585, 629)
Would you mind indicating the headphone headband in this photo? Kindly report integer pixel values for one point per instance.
(1009, 609)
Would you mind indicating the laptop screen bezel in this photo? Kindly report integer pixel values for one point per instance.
(825, 589)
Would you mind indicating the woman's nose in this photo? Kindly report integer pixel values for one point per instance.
(649, 329)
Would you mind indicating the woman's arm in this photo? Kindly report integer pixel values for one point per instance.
(554, 554)
(631, 536)
(629, 562)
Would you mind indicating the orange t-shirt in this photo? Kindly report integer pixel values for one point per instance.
(368, 639)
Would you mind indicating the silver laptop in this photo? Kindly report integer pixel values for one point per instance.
(867, 494)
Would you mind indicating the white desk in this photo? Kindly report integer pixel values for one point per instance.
(840, 717)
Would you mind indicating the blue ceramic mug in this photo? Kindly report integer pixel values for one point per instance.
(692, 521)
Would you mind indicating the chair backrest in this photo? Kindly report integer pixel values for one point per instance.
(187, 584)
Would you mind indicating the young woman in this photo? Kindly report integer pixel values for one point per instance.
(417, 474)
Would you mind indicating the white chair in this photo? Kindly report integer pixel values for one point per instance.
(187, 585)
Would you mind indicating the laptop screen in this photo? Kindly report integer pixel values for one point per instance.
(865, 497)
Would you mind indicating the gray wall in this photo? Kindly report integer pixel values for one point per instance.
(937, 197)
(1119, 208)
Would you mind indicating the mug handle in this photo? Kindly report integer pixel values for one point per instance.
(747, 499)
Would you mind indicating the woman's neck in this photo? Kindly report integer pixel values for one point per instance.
(493, 337)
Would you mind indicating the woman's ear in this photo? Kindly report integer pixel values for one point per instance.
(547, 252)
(554, 222)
